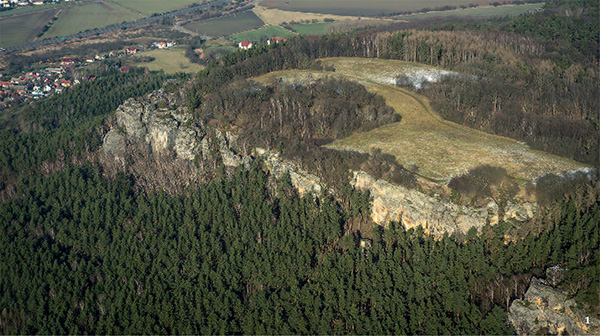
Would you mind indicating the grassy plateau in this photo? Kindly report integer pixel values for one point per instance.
(435, 148)
(171, 61)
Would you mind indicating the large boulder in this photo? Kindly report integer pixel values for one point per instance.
(129, 117)
(161, 129)
(547, 311)
(303, 181)
(114, 142)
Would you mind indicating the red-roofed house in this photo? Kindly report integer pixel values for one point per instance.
(275, 39)
(68, 61)
(245, 45)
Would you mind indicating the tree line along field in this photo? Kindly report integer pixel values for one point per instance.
(227, 25)
(488, 11)
(149, 7)
(262, 34)
(360, 7)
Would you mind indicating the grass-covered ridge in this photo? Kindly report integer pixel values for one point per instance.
(435, 148)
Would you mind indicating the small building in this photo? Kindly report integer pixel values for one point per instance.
(275, 39)
(245, 45)
(55, 70)
(68, 61)
(160, 45)
(89, 60)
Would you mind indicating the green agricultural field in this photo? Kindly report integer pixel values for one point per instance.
(31, 9)
(88, 16)
(311, 28)
(262, 34)
(23, 28)
(361, 7)
(148, 7)
(171, 61)
(227, 25)
(439, 148)
(487, 11)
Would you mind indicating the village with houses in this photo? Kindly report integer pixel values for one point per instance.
(8, 4)
(55, 76)
(245, 45)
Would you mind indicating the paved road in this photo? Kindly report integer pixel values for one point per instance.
(114, 27)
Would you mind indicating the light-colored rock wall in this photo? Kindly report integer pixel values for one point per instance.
(413, 208)
(546, 310)
(303, 181)
(163, 130)
(166, 130)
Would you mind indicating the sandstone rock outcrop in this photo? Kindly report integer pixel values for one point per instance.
(413, 208)
(226, 142)
(545, 310)
(163, 130)
(303, 181)
(114, 142)
(155, 123)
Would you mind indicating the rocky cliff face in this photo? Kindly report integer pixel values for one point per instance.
(301, 179)
(413, 208)
(158, 125)
(143, 125)
(162, 130)
(545, 310)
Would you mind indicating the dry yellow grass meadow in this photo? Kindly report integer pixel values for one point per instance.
(438, 148)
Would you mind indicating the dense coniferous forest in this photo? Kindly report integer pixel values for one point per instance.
(45, 135)
(83, 254)
(84, 251)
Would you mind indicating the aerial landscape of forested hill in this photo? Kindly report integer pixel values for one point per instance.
(290, 167)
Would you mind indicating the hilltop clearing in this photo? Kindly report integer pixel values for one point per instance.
(423, 141)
